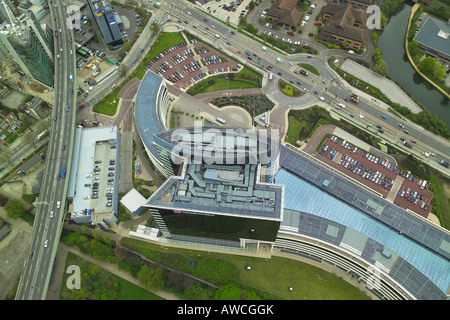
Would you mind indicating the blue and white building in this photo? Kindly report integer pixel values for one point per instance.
(316, 211)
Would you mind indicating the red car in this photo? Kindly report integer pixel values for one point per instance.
(238, 52)
(31, 253)
(413, 141)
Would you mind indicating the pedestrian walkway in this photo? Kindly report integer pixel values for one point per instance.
(387, 87)
(114, 269)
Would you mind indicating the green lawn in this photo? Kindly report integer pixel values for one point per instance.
(245, 78)
(310, 68)
(278, 274)
(275, 274)
(293, 131)
(129, 291)
(108, 105)
(289, 90)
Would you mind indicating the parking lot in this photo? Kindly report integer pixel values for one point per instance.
(231, 9)
(398, 186)
(99, 186)
(186, 63)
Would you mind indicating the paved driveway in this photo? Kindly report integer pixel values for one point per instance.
(389, 88)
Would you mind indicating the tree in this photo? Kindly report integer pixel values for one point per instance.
(228, 292)
(376, 55)
(252, 295)
(412, 46)
(380, 67)
(122, 69)
(15, 209)
(126, 46)
(426, 64)
(439, 72)
(251, 28)
(151, 277)
(154, 27)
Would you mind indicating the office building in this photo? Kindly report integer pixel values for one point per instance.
(344, 26)
(106, 21)
(216, 196)
(29, 46)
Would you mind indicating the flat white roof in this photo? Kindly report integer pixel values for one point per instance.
(83, 156)
(133, 200)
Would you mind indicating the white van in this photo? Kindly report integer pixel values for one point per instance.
(221, 120)
(264, 49)
(217, 36)
(351, 52)
(279, 60)
(270, 76)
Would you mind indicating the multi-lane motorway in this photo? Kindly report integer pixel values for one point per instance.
(50, 213)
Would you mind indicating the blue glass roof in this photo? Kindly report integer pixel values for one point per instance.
(145, 111)
(305, 197)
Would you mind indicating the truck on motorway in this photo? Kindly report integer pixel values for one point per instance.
(444, 163)
(405, 143)
(354, 98)
(63, 173)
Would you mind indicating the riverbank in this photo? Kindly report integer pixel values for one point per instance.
(411, 61)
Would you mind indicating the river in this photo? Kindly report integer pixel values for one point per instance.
(391, 43)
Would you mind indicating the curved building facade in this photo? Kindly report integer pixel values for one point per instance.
(150, 111)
